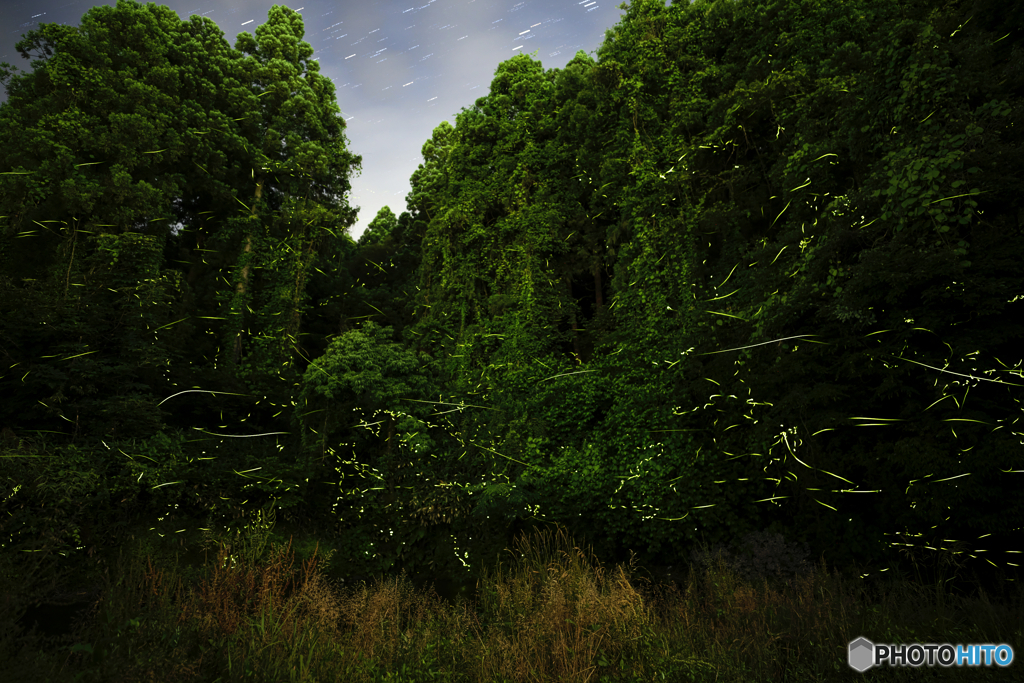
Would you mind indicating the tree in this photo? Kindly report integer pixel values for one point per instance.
(165, 67)
(370, 395)
(363, 372)
(379, 228)
(110, 318)
(740, 201)
(430, 179)
(299, 108)
(96, 149)
(680, 290)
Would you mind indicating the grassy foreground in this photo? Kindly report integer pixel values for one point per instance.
(557, 616)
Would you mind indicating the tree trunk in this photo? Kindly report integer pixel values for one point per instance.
(193, 272)
(575, 338)
(243, 283)
(575, 329)
(303, 261)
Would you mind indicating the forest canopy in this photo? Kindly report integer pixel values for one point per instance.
(754, 266)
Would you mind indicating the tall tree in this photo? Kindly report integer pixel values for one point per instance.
(300, 134)
(430, 179)
(763, 170)
(492, 170)
(97, 148)
(135, 109)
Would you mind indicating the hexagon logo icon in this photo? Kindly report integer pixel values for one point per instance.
(861, 654)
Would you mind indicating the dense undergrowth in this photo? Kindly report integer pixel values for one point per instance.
(555, 614)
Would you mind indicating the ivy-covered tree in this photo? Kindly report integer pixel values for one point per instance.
(797, 204)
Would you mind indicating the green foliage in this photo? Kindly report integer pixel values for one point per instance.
(802, 182)
(371, 395)
(107, 313)
(755, 265)
(197, 138)
(380, 228)
(364, 372)
(89, 355)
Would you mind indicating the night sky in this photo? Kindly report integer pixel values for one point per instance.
(399, 67)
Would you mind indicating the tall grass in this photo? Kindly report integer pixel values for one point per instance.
(554, 615)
